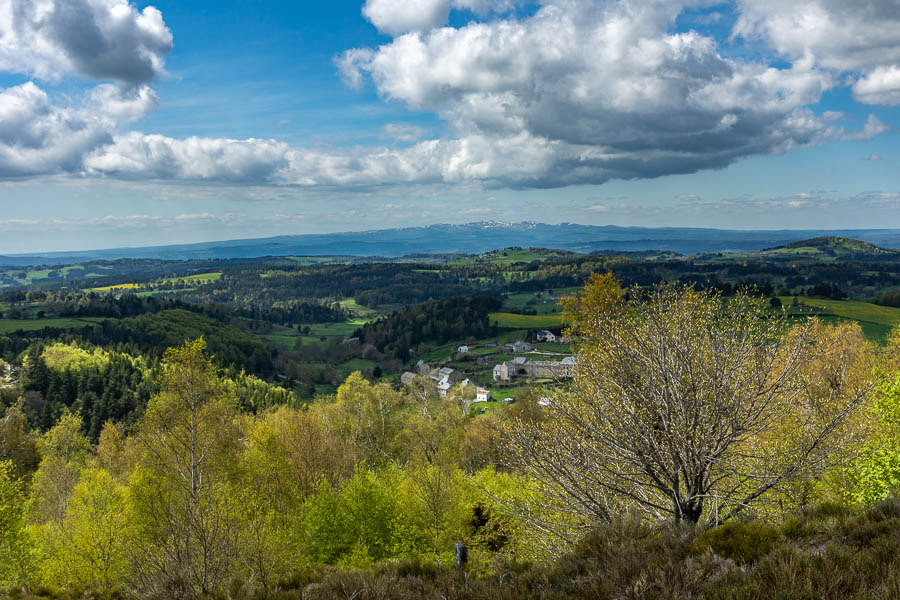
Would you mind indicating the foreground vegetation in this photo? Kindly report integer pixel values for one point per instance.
(703, 449)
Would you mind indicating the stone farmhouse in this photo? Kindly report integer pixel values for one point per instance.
(446, 378)
(509, 370)
(519, 347)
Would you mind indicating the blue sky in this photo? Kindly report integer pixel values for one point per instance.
(126, 124)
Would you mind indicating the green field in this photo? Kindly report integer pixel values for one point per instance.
(356, 364)
(199, 278)
(514, 321)
(11, 325)
(876, 321)
(283, 338)
(342, 329)
(358, 310)
(542, 304)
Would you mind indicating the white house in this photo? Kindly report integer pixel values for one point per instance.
(545, 335)
(482, 395)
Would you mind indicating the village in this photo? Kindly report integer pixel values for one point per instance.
(499, 371)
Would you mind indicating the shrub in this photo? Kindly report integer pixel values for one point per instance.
(741, 542)
(820, 519)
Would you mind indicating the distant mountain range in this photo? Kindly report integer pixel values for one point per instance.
(471, 238)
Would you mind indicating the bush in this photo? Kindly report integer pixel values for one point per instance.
(818, 520)
(741, 542)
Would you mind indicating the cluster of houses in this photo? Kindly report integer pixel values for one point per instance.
(510, 369)
(445, 379)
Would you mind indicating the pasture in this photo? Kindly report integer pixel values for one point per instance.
(11, 325)
(514, 321)
(876, 321)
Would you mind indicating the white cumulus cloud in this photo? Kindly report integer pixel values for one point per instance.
(97, 39)
(881, 85)
(401, 16)
(586, 91)
(396, 17)
(136, 155)
(37, 137)
(859, 38)
(93, 39)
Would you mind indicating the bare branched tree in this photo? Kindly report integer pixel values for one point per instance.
(686, 404)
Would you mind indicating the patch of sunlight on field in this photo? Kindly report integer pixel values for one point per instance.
(514, 321)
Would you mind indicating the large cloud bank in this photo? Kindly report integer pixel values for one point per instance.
(569, 92)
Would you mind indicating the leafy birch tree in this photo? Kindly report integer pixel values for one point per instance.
(188, 524)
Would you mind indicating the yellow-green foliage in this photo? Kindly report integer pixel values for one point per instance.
(66, 356)
(254, 394)
(62, 357)
(88, 549)
(875, 473)
(16, 547)
(118, 286)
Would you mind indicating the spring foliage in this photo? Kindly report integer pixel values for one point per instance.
(684, 408)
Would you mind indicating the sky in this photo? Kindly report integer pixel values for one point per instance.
(146, 123)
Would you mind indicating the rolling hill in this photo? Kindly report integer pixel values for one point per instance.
(832, 247)
(470, 238)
